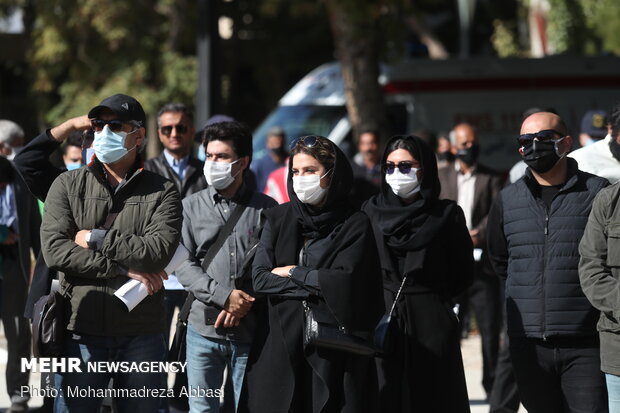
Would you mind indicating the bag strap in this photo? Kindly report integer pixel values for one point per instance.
(212, 252)
(402, 284)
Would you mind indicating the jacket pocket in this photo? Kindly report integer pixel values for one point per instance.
(613, 245)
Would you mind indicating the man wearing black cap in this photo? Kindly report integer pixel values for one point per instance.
(103, 225)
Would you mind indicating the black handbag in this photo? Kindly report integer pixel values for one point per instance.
(48, 325)
(337, 338)
(381, 331)
(179, 344)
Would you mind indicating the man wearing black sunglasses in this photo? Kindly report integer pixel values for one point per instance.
(177, 163)
(534, 229)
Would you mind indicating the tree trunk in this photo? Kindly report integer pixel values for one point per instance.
(356, 41)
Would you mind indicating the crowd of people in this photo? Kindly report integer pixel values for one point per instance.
(296, 262)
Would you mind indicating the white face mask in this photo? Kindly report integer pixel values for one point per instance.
(14, 151)
(403, 185)
(308, 188)
(219, 174)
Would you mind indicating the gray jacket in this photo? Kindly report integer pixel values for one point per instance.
(599, 272)
(205, 213)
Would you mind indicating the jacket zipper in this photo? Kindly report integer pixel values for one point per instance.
(544, 302)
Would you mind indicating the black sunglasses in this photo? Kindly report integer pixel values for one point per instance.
(307, 141)
(404, 167)
(167, 130)
(115, 125)
(542, 136)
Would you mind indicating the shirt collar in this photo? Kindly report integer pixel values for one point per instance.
(457, 168)
(172, 160)
(217, 198)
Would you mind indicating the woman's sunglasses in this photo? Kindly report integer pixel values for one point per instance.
(115, 125)
(404, 167)
(307, 141)
(541, 136)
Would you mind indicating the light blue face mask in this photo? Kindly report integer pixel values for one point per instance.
(87, 155)
(110, 146)
(73, 165)
(201, 153)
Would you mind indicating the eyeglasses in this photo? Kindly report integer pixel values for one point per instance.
(541, 136)
(404, 167)
(115, 125)
(167, 130)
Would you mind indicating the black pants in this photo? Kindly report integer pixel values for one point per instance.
(504, 397)
(16, 328)
(485, 301)
(559, 375)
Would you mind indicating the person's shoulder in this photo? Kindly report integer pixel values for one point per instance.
(485, 170)
(594, 182)
(263, 201)
(447, 168)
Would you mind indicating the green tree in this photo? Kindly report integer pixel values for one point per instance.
(82, 51)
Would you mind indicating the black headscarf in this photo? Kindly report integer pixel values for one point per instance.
(318, 222)
(409, 227)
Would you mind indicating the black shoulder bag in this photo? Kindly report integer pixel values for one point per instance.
(178, 345)
(49, 321)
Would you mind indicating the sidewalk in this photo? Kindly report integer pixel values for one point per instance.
(471, 355)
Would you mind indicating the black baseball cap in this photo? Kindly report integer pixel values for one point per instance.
(125, 107)
(594, 123)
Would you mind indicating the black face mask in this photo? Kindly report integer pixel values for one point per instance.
(540, 156)
(469, 155)
(614, 147)
(280, 151)
(445, 156)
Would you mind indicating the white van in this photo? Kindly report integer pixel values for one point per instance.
(490, 93)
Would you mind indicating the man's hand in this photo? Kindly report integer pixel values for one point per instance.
(225, 319)
(152, 281)
(80, 238)
(282, 271)
(62, 131)
(238, 303)
(474, 237)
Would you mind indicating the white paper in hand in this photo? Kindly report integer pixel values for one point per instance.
(133, 291)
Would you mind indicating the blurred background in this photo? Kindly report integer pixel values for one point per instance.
(240, 57)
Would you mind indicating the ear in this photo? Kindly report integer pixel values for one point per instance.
(521, 150)
(140, 137)
(245, 163)
(568, 143)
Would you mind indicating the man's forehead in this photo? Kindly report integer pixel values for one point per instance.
(172, 118)
(539, 121)
(218, 146)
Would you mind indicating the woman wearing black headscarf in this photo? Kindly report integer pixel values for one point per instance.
(315, 248)
(424, 247)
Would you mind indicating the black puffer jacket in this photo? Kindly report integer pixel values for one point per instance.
(537, 249)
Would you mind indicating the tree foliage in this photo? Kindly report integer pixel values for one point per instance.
(82, 51)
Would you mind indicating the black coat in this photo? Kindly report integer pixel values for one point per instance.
(426, 241)
(38, 174)
(315, 380)
(339, 276)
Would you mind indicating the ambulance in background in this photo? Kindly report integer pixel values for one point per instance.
(489, 93)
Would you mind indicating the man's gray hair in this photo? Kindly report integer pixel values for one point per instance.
(10, 131)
